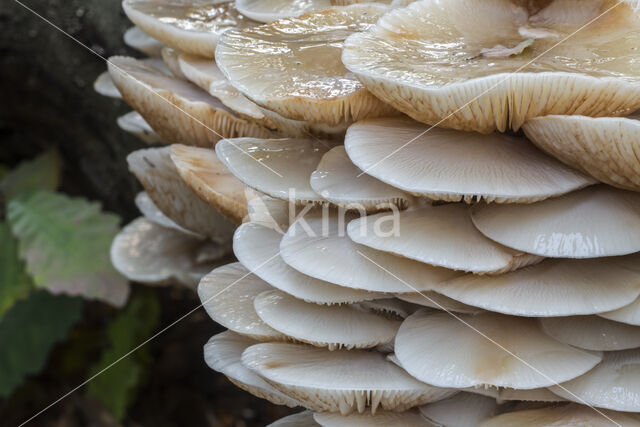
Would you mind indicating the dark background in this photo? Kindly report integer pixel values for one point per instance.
(47, 100)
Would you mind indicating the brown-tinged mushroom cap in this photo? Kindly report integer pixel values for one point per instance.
(334, 327)
(292, 66)
(135, 38)
(227, 295)
(342, 381)
(222, 353)
(562, 415)
(210, 179)
(177, 110)
(158, 175)
(148, 253)
(270, 10)
(450, 165)
(438, 301)
(257, 247)
(442, 350)
(482, 66)
(318, 247)
(594, 222)
(459, 410)
(191, 26)
(135, 124)
(592, 332)
(605, 148)
(279, 168)
(339, 181)
(552, 288)
(410, 418)
(443, 236)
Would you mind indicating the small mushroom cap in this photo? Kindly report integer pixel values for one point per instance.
(460, 410)
(146, 252)
(605, 148)
(209, 178)
(438, 301)
(629, 314)
(340, 381)
(135, 38)
(150, 211)
(390, 307)
(159, 177)
(436, 71)
(301, 419)
(552, 288)
(292, 66)
(177, 110)
(270, 10)
(279, 168)
(222, 353)
(339, 181)
(443, 236)
(170, 59)
(227, 295)
(336, 326)
(105, 87)
(533, 395)
(411, 418)
(448, 351)
(258, 247)
(592, 332)
(613, 384)
(562, 415)
(317, 246)
(189, 26)
(135, 124)
(595, 222)
(449, 165)
(270, 213)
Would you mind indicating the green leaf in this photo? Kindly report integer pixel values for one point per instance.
(65, 243)
(29, 330)
(117, 385)
(41, 173)
(14, 280)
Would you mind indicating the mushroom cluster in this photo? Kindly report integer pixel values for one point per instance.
(433, 204)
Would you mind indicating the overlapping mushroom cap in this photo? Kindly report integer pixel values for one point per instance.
(482, 66)
(270, 10)
(292, 66)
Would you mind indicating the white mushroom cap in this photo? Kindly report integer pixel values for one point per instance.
(170, 59)
(177, 110)
(317, 246)
(438, 301)
(209, 178)
(150, 211)
(158, 175)
(338, 381)
(602, 147)
(592, 332)
(449, 351)
(301, 419)
(552, 288)
(270, 10)
(269, 212)
(227, 295)
(450, 165)
(562, 415)
(334, 327)
(279, 168)
(629, 314)
(135, 38)
(189, 26)
(443, 236)
(339, 181)
(222, 353)
(460, 410)
(257, 247)
(613, 384)
(595, 222)
(105, 87)
(292, 66)
(390, 307)
(441, 71)
(135, 124)
(148, 253)
(411, 418)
